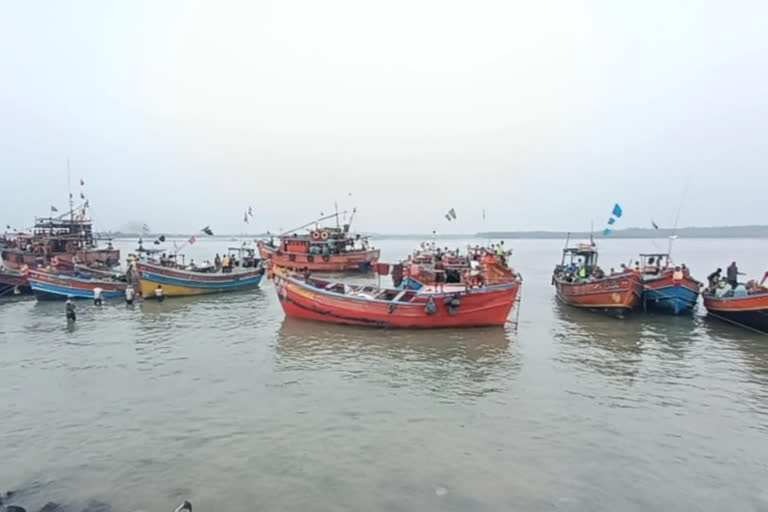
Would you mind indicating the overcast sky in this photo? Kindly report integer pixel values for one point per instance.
(545, 113)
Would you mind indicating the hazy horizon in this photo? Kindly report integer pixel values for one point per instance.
(184, 114)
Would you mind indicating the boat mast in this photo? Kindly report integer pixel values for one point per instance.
(69, 189)
(313, 222)
(336, 207)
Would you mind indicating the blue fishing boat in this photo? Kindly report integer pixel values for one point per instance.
(51, 286)
(666, 288)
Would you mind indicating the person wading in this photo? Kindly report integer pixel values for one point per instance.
(70, 309)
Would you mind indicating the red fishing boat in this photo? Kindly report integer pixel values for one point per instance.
(323, 249)
(425, 308)
(430, 265)
(69, 238)
(582, 283)
(745, 305)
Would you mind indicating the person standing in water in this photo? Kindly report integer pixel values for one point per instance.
(130, 293)
(70, 308)
(159, 293)
(97, 295)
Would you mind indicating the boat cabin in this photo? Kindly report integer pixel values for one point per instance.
(654, 263)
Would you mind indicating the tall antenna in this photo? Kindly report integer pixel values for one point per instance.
(673, 236)
(69, 189)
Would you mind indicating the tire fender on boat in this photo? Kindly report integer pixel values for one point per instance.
(431, 307)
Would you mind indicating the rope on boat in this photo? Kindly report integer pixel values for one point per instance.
(9, 290)
(734, 322)
(518, 301)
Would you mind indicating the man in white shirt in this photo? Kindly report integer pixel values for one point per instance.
(130, 293)
(97, 294)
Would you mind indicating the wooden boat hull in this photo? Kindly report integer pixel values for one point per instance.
(354, 261)
(750, 311)
(478, 307)
(667, 295)
(48, 286)
(183, 283)
(13, 283)
(618, 294)
(16, 259)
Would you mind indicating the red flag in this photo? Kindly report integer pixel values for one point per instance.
(82, 182)
(192, 240)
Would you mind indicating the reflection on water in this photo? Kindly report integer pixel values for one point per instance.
(451, 361)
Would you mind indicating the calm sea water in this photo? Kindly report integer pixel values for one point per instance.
(223, 401)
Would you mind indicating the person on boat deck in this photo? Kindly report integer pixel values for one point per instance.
(623, 268)
(191, 264)
(217, 261)
(714, 277)
(637, 266)
(501, 253)
(130, 293)
(583, 272)
(440, 277)
(677, 274)
(733, 274)
(160, 293)
(686, 272)
(97, 295)
(70, 311)
(598, 273)
(225, 264)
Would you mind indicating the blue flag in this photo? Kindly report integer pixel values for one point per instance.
(612, 220)
(617, 211)
(606, 232)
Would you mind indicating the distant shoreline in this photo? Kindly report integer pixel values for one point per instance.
(640, 233)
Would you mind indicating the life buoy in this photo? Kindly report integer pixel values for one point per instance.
(315, 235)
(324, 235)
(326, 258)
(292, 257)
(310, 258)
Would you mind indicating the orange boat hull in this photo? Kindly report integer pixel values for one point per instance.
(619, 294)
(350, 261)
(478, 307)
(750, 311)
